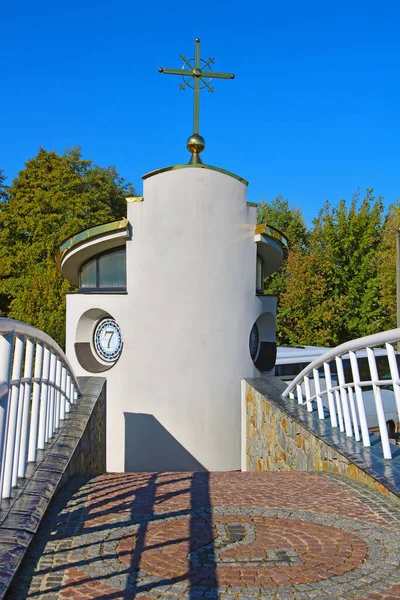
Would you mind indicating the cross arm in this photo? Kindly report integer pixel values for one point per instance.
(176, 72)
(215, 75)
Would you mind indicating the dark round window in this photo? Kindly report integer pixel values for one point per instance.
(254, 342)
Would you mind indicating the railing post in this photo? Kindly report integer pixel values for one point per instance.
(394, 372)
(343, 397)
(379, 405)
(12, 420)
(353, 414)
(37, 375)
(308, 393)
(63, 393)
(6, 348)
(20, 415)
(58, 394)
(317, 385)
(359, 398)
(43, 400)
(339, 410)
(331, 401)
(299, 394)
(28, 368)
(51, 396)
(68, 394)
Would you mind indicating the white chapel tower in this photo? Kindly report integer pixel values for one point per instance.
(170, 310)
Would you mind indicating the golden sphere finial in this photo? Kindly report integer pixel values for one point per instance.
(195, 144)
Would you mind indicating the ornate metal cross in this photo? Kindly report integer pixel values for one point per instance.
(196, 76)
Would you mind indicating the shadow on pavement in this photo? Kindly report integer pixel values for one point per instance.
(123, 535)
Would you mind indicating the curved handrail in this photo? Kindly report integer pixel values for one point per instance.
(377, 339)
(348, 401)
(9, 326)
(37, 389)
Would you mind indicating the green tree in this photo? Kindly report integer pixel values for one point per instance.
(386, 261)
(332, 290)
(4, 300)
(54, 197)
(289, 221)
(286, 218)
(307, 313)
(346, 242)
(3, 187)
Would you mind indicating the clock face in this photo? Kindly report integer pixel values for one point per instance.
(107, 340)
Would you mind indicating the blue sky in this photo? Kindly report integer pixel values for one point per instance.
(312, 114)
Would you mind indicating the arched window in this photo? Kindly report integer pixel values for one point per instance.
(105, 272)
(259, 275)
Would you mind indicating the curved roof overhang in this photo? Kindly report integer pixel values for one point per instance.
(272, 246)
(195, 166)
(89, 243)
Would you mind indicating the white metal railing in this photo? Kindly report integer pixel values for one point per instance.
(353, 407)
(37, 389)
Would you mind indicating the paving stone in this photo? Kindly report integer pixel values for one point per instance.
(233, 536)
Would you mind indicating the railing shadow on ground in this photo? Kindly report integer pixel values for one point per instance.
(111, 509)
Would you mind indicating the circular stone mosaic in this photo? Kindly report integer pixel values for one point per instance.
(256, 550)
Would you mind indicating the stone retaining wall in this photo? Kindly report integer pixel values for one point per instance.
(281, 436)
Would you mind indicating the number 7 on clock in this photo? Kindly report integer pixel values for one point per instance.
(110, 333)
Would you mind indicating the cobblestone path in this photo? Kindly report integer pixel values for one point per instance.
(244, 536)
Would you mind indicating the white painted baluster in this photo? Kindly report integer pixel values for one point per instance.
(37, 375)
(394, 372)
(359, 397)
(353, 414)
(339, 410)
(6, 348)
(18, 429)
(57, 395)
(299, 394)
(28, 368)
(379, 404)
(308, 393)
(317, 385)
(12, 420)
(343, 397)
(63, 393)
(50, 411)
(331, 401)
(72, 393)
(68, 402)
(44, 400)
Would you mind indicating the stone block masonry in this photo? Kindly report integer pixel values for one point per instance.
(281, 436)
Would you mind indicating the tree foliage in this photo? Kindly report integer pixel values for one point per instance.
(54, 197)
(289, 221)
(386, 261)
(339, 281)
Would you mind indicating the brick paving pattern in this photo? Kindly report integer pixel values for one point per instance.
(234, 536)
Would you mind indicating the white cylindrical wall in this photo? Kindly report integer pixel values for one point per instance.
(173, 398)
